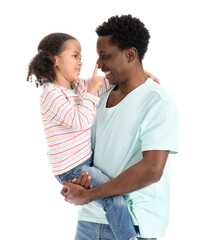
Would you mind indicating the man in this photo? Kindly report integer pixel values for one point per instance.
(134, 132)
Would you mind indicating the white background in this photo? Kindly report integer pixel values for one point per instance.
(180, 54)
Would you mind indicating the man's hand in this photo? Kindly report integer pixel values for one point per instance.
(74, 188)
(142, 174)
(74, 193)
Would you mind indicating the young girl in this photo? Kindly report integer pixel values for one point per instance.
(68, 106)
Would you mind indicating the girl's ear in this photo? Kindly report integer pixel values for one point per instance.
(131, 54)
(55, 61)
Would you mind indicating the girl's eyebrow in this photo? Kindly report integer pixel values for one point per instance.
(76, 52)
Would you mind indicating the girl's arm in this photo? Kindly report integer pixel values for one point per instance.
(106, 85)
(76, 111)
(153, 77)
(73, 113)
(82, 84)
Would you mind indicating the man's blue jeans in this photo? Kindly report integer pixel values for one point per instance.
(95, 231)
(117, 213)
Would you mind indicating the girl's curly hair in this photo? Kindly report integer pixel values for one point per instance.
(126, 32)
(42, 64)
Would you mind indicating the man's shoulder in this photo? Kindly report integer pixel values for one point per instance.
(157, 90)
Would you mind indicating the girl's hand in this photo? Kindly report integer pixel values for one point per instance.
(96, 82)
(153, 77)
(83, 179)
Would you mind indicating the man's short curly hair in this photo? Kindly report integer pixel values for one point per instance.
(126, 32)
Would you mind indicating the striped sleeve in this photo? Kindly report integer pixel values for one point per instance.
(106, 85)
(55, 107)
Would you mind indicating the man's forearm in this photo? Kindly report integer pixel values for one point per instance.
(134, 178)
(140, 175)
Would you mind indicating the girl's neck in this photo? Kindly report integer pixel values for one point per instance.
(62, 83)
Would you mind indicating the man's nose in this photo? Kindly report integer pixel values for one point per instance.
(99, 62)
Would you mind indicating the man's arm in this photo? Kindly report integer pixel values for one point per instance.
(140, 175)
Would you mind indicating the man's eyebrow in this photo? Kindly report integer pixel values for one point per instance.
(102, 51)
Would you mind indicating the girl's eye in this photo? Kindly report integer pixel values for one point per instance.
(77, 56)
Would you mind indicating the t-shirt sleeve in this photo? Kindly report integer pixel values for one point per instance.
(159, 128)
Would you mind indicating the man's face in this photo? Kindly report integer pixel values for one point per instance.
(112, 61)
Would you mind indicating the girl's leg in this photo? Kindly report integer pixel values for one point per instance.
(73, 173)
(89, 230)
(117, 212)
(92, 231)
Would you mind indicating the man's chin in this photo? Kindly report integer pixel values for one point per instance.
(111, 80)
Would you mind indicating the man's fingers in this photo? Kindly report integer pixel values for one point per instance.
(65, 184)
(64, 191)
(69, 201)
(95, 71)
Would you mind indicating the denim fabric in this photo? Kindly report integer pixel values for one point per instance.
(115, 207)
(75, 172)
(96, 231)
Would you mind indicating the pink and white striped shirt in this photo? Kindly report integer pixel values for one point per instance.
(67, 118)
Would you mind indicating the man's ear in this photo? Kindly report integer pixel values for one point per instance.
(131, 54)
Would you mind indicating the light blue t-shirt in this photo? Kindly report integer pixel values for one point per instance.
(146, 119)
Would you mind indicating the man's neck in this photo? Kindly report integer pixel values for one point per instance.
(122, 90)
(136, 78)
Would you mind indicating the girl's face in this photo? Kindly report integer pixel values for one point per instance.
(68, 62)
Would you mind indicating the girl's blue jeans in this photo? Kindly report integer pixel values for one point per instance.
(116, 209)
(96, 231)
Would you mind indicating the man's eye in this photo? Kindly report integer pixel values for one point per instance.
(104, 56)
